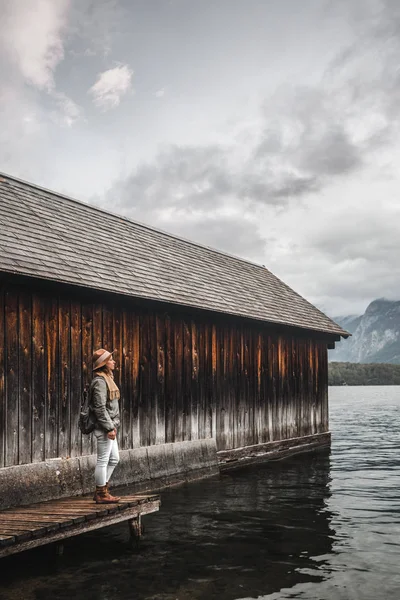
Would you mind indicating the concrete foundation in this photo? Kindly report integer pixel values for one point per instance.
(143, 469)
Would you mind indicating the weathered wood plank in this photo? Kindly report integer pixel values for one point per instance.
(119, 371)
(38, 380)
(76, 377)
(152, 380)
(201, 384)
(208, 382)
(274, 370)
(126, 387)
(238, 382)
(3, 400)
(39, 517)
(135, 372)
(187, 382)
(277, 445)
(107, 330)
(227, 385)
(228, 388)
(296, 385)
(160, 379)
(77, 529)
(323, 386)
(269, 387)
(87, 353)
(59, 515)
(169, 381)
(178, 370)
(20, 535)
(194, 382)
(182, 376)
(145, 382)
(52, 361)
(39, 527)
(97, 326)
(11, 351)
(249, 393)
(64, 394)
(25, 379)
(279, 399)
(313, 389)
(219, 389)
(25, 527)
(6, 540)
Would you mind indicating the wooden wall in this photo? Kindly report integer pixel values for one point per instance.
(181, 377)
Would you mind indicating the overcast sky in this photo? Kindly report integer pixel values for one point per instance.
(266, 129)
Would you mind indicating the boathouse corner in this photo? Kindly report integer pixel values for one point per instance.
(218, 360)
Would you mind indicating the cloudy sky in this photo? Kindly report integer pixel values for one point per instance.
(266, 129)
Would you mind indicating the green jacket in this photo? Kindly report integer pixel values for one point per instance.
(105, 411)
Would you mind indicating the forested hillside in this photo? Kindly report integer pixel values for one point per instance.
(345, 373)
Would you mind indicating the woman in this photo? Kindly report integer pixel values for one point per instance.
(104, 402)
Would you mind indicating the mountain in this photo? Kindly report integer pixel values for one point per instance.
(375, 335)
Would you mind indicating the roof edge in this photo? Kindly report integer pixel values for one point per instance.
(340, 332)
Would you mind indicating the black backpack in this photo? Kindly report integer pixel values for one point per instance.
(87, 419)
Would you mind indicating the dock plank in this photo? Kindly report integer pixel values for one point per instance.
(24, 524)
(19, 534)
(62, 521)
(76, 518)
(28, 528)
(25, 527)
(6, 540)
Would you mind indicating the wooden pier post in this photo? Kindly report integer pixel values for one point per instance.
(135, 532)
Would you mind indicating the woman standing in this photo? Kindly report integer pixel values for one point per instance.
(104, 402)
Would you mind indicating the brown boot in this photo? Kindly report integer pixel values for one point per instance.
(117, 498)
(102, 496)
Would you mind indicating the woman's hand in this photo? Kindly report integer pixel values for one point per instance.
(112, 434)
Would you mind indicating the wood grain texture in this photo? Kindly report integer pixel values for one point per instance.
(64, 391)
(25, 379)
(12, 373)
(3, 392)
(76, 377)
(28, 527)
(86, 368)
(38, 380)
(182, 377)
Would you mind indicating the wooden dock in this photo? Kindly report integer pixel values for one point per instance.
(26, 527)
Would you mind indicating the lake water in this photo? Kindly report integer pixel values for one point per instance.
(323, 526)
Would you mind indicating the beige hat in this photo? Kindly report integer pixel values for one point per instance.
(100, 357)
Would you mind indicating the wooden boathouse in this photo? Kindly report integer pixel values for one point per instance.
(212, 350)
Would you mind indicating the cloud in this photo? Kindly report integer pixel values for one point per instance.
(190, 191)
(237, 233)
(282, 184)
(32, 38)
(110, 86)
(301, 188)
(68, 112)
(94, 26)
(32, 47)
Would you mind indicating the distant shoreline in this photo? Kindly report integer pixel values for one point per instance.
(351, 374)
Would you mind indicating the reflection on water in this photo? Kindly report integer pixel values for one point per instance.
(322, 526)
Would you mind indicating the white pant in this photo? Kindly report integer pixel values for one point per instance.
(107, 457)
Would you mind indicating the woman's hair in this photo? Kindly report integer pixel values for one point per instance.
(103, 369)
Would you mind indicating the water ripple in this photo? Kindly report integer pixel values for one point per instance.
(324, 526)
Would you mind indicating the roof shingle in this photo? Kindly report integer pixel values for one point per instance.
(50, 236)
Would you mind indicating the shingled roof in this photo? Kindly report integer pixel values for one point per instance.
(47, 235)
